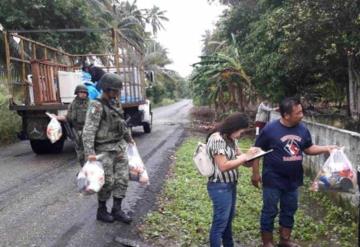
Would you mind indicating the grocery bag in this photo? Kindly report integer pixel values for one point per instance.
(53, 130)
(337, 174)
(137, 171)
(91, 178)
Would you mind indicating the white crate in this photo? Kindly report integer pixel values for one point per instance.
(67, 84)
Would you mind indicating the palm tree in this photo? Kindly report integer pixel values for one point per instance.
(211, 45)
(156, 58)
(123, 15)
(155, 17)
(130, 21)
(167, 82)
(155, 54)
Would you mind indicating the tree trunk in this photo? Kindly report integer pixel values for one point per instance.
(354, 87)
(241, 99)
(221, 101)
(232, 91)
(216, 103)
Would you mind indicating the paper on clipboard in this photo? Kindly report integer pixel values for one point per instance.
(260, 154)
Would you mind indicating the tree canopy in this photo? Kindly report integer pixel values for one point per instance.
(304, 48)
(126, 16)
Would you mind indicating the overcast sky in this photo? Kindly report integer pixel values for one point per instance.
(188, 20)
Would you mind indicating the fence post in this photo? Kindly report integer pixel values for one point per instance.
(8, 69)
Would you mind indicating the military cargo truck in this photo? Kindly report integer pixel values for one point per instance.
(41, 78)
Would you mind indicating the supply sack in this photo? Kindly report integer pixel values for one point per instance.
(202, 161)
(53, 130)
(91, 178)
(137, 171)
(337, 174)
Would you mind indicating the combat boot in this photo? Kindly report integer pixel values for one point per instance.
(118, 213)
(102, 213)
(285, 235)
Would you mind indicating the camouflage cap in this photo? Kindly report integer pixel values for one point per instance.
(81, 88)
(110, 81)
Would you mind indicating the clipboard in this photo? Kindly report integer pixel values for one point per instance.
(260, 154)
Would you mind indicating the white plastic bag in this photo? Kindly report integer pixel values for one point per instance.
(91, 178)
(337, 174)
(53, 130)
(137, 171)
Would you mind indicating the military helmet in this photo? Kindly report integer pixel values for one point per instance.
(110, 81)
(81, 88)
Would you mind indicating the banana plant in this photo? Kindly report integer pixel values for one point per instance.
(221, 79)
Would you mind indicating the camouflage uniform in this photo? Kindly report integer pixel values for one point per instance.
(76, 117)
(105, 132)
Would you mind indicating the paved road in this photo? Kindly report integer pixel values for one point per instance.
(39, 205)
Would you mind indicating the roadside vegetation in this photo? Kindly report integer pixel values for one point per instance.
(183, 215)
(10, 122)
(273, 49)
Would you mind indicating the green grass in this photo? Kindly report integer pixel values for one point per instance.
(10, 122)
(184, 211)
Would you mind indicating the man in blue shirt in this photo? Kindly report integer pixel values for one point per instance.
(282, 172)
(96, 74)
(92, 91)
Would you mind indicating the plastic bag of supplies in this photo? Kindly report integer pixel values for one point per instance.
(91, 178)
(337, 174)
(53, 130)
(137, 171)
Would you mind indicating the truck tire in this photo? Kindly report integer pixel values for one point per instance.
(147, 127)
(46, 147)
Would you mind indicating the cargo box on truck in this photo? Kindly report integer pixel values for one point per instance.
(41, 78)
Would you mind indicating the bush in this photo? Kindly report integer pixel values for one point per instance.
(204, 113)
(10, 122)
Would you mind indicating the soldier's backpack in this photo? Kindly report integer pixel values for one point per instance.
(202, 161)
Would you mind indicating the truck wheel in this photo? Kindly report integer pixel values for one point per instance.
(46, 147)
(58, 146)
(147, 127)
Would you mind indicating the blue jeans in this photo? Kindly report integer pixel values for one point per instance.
(288, 206)
(223, 196)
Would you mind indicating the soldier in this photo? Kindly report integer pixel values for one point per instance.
(76, 118)
(105, 133)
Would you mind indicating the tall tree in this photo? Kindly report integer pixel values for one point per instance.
(307, 47)
(155, 17)
(168, 83)
(39, 14)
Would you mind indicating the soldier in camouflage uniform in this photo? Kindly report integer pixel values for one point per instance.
(76, 118)
(105, 133)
